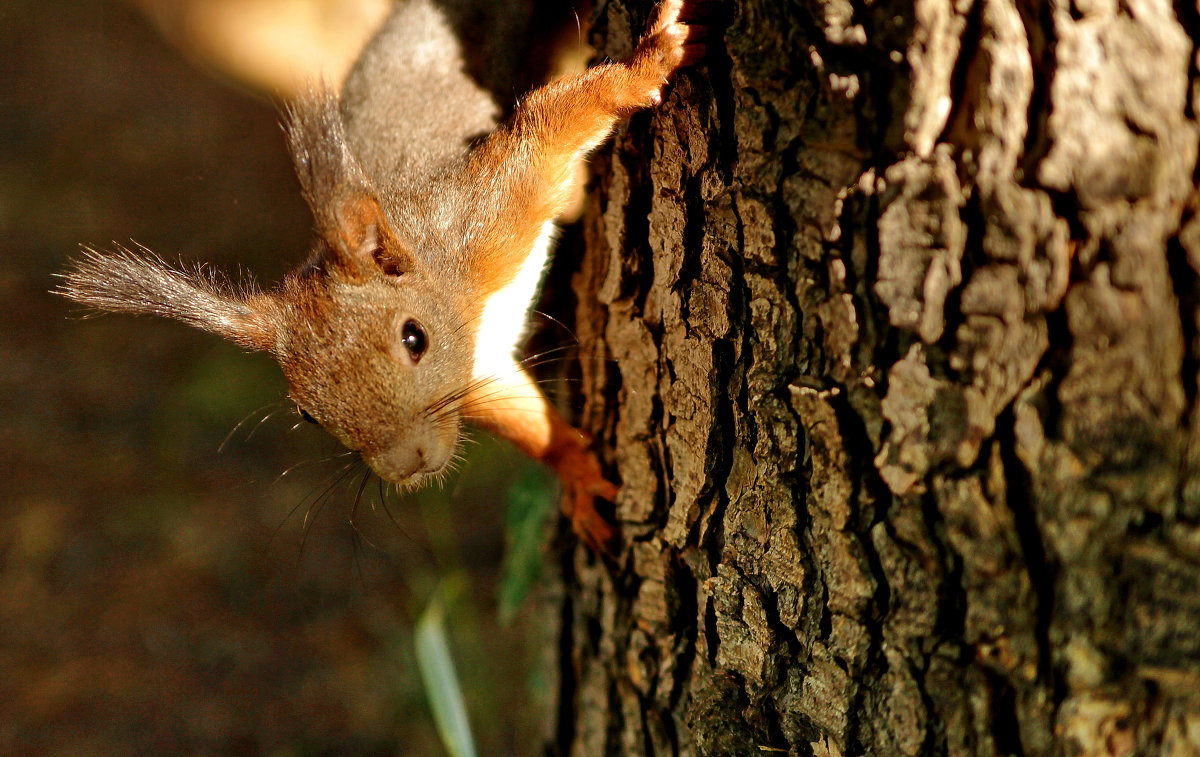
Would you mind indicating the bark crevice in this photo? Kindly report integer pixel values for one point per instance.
(907, 311)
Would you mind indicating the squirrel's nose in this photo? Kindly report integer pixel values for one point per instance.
(399, 462)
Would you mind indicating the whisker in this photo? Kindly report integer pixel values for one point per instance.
(246, 419)
(550, 351)
(485, 418)
(362, 485)
(458, 394)
(496, 395)
(356, 549)
(387, 510)
(300, 504)
(315, 461)
(260, 424)
(551, 318)
(533, 361)
(465, 323)
(322, 500)
(484, 413)
(469, 441)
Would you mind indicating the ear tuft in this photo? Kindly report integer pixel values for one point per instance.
(344, 205)
(324, 164)
(123, 281)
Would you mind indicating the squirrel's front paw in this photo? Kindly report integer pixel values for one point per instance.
(673, 39)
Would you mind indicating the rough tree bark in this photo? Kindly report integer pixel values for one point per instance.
(890, 329)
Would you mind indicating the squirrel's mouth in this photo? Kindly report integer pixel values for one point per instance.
(412, 461)
(415, 480)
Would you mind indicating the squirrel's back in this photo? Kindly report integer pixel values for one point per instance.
(409, 106)
(435, 79)
(438, 75)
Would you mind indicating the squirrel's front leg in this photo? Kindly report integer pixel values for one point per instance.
(532, 160)
(528, 169)
(513, 407)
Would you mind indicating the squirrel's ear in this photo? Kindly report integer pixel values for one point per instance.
(362, 241)
(126, 282)
(347, 212)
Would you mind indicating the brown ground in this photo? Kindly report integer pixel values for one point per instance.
(150, 601)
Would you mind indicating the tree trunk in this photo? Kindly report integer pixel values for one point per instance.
(889, 327)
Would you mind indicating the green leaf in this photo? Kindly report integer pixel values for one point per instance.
(529, 502)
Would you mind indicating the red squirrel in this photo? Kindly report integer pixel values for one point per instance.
(430, 244)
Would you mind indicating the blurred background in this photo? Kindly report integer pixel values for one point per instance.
(164, 588)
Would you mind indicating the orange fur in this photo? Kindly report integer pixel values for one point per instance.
(379, 334)
(516, 409)
(535, 156)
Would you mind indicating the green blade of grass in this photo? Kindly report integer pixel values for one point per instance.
(441, 681)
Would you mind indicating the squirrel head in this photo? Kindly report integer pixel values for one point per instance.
(376, 347)
(377, 357)
(377, 353)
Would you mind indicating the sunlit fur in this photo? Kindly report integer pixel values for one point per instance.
(425, 211)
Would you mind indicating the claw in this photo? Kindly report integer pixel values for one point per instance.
(591, 527)
(674, 38)
(579, 470)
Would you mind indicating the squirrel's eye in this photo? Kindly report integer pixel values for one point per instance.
(306, 416)
(414, 339)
